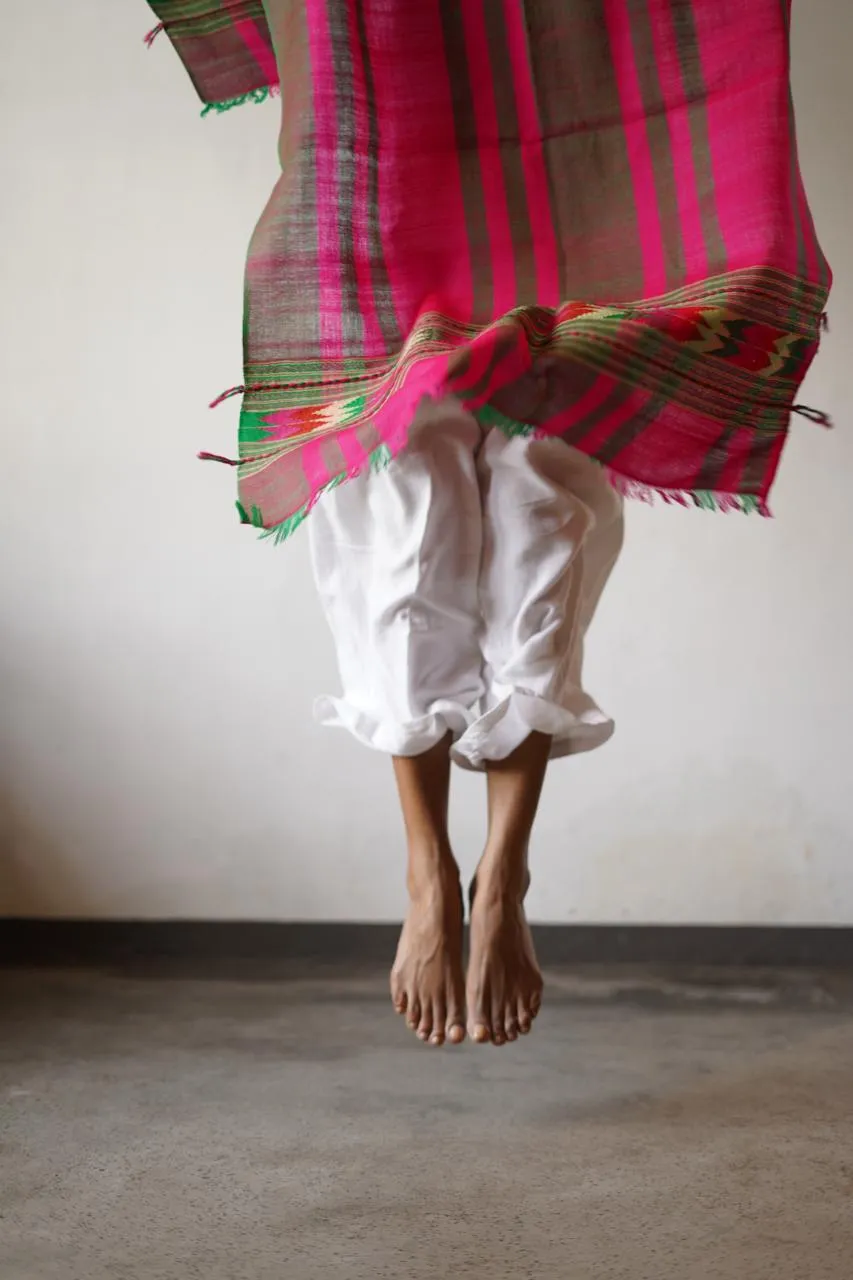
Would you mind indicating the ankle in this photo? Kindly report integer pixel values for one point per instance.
(432, 869)
(500, 879)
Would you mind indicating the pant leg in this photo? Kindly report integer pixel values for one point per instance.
(396, 558)
(553, 530)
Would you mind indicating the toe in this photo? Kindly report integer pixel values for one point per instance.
(439, 1021)
(479, 1022)
(511, 1027)
(498, 1020)
(456, 1020)
(524, 1017)
(425, 1024)
(414, 1012)
(479, 1018)
(398, 992)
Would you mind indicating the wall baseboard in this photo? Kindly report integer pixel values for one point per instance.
(220, 947)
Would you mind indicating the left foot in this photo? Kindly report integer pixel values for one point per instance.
(504, 985)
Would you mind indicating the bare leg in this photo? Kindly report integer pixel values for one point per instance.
(504, 982)
(426, 981)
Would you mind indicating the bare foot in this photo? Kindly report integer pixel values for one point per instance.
(426, 980)
(504, 987)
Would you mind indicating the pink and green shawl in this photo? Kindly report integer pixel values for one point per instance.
(583, 218)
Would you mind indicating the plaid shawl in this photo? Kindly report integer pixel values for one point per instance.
(584, 218)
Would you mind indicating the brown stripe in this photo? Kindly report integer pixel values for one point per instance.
(504, 344)
(284, 243)
(617, 397)
(716, 460)
(352, 323)
(367, 436)
(762, 449)
(697, 94)
(626, 434)
(382, 293)
(468, 156)
(660, 143)
(509, 141)
(586, 155)
(555, 386)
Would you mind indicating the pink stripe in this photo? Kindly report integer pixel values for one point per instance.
(681, 142)
(813, 251)
(789, 194)
(314, 466)
(816, 263)
(374, 342)
(259, 48)
(422, 165)
(354, 453)
(618, 18)
(325, 141)
(545, 248)
(491, 169)
(800, 208)
(392, 419)
(747, 91)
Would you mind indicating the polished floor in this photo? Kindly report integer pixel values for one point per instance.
(165, 1128)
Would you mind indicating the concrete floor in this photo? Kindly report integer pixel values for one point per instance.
(166, 1129)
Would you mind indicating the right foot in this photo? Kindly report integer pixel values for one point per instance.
(504, 980)
(427, 984)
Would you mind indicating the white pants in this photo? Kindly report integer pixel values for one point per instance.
(459, 584)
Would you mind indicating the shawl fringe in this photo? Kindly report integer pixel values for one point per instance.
(254, 95)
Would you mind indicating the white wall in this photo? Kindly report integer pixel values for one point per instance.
(157, 665)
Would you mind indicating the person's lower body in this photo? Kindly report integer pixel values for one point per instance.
(459, 585)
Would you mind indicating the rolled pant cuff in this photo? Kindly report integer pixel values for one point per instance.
(577, 724)
(403, 738)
